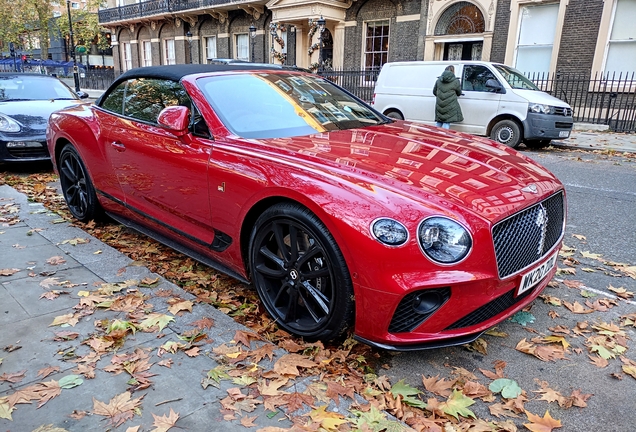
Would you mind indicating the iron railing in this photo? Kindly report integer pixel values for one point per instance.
(360, 83)
(97, 79)
(607, 98)
(158, 7)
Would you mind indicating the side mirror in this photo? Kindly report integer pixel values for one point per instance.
(82, 94)
(493, 84)
(176, 119)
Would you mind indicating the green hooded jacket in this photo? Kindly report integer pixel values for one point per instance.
(447, 89)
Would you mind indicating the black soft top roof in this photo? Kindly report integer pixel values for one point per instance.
(176, 72)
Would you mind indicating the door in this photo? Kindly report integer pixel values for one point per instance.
(479, 104)
(466, 51)
(163, 177)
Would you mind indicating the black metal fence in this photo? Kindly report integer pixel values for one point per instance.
(361, 83)
(603, 98)
(97, 79)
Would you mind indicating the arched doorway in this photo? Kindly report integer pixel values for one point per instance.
(327, 49)
(462, 18)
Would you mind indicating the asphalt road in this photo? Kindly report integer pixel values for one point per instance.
(601, 193)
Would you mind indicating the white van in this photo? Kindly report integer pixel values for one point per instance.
(497, 101)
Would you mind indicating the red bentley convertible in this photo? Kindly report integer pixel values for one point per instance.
(416, 236)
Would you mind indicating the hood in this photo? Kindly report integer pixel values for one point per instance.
(429, 165)
(534, 96)
(448, 76)
(33, 115)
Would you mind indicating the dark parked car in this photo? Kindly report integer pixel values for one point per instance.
(26, 102)
(338, 215)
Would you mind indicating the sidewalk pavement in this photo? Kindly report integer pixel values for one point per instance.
(583, 139)
(47, 268)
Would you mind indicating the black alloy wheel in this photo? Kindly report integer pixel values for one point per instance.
(506, 132)
(77, 187)
(300, 273)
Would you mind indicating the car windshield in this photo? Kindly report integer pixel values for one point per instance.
(277, 105)
(28, 88)
(515, 78)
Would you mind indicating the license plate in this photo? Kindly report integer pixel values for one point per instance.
(530, 279)
(564, 134)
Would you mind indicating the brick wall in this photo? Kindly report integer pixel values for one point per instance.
(580, 32)
(500, 33)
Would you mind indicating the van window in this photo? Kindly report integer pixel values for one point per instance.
(475, 77)
(515, 78)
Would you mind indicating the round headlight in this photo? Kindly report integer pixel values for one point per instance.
(389, 232)
(7, 124)
(444, 240)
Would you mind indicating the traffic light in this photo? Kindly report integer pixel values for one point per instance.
(24, 58)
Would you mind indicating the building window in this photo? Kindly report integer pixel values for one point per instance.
(75, 5)
(210, 47)
(461, 18)
(57, 14)
(169, 54)
(537, 30)
(127, 56)
(621, 46)
(242, 47)
(146, 47)
(376, 45)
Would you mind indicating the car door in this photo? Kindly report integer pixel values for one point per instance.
(479, 104)
(164, 177)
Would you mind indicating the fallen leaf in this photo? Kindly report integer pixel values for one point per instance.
(8, 272)
(542, 424)
(56, 260)
(248, 422)
(44, 372)
(68, 319)
(14, 377)
(185, 305)
(164, 423)
(457, 405)
(289, 364)
(440, 387)
(119, 409)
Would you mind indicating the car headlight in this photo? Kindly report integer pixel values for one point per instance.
(389, 231)
(444, 240)
(541, 108)
(7, 124)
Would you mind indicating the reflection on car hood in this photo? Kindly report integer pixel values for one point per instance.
(432, 164)
(34, 115)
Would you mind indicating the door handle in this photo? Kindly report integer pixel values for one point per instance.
(120, 147)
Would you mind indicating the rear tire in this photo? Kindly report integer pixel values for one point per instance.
(77, 187)
(506, 132)
(396, 115)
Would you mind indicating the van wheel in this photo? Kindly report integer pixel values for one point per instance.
(506, 132)
(395, 115)
(538, 144)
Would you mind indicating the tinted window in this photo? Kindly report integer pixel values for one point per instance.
(475, 78)
(115, 100)
(26, 87)
(146, 97)
(515, 78)
(268, 105)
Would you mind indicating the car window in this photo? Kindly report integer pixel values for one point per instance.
(475, 77)
(276, 105)
(26, 88)
(114, 101)
(146, 97)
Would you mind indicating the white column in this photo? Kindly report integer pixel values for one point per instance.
(338, 45)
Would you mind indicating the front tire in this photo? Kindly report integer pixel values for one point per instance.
(300, 273)
(77, 187)
(506, 132)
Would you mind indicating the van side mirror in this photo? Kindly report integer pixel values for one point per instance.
(494, 85)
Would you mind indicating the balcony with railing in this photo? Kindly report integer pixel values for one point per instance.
(149, 8)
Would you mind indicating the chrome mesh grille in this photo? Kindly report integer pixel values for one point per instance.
(526, 237)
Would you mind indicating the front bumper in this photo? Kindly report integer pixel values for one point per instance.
(547, 126)
(24, 149)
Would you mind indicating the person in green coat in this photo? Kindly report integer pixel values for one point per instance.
(447, 88)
